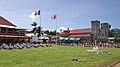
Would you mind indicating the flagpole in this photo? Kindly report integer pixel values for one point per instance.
(40, 25)
(56, 29)
(54, 17)
(40, 22)
(39, 14)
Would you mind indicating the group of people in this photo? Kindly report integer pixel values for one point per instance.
(78, 43)
(22, 45)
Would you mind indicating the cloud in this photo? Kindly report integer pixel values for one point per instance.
(33, 16)
(63, 28)
(60, 29)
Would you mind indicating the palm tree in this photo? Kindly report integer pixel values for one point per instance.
(34, 24)
(35, 28)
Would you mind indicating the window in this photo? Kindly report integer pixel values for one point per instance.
(102, 35)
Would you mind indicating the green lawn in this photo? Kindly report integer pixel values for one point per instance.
(55, 56)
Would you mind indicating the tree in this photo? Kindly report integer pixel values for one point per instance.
(50, 32)
(34, 24)
(46, 32)
(115, 33)
(111, 33)
(39, 31)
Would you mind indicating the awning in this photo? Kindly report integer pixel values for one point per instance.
(74, 39)
(80, 35)
(66, 38)
(77, 39)
(71, 39)
(14, 36)
(43, 37)
(61, 38)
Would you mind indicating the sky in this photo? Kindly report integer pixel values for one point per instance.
(73, 14)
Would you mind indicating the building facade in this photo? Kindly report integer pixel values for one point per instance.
(10, 32)
(98, 32)
(104, 32)
(95, 25)
(83, 34)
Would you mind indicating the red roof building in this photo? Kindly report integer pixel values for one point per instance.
(77, 32)
(9, 30)
(3, 21)
(85, 33)
(97, 33)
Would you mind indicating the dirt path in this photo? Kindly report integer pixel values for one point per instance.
(117, 65)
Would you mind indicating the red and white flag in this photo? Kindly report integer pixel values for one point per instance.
(54, 17)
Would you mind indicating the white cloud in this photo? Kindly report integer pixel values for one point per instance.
(60, 29)
(63, 28)
(33, 16)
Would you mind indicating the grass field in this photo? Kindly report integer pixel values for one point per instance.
(56, 56)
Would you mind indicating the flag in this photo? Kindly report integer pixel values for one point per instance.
(39, 12)
(33, 16)
(35, 13)
(54, 17)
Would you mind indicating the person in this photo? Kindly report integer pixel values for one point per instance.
(95, 49)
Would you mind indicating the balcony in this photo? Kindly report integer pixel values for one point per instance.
(11, 31)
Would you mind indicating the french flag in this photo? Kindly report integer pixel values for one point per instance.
(37, 13)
